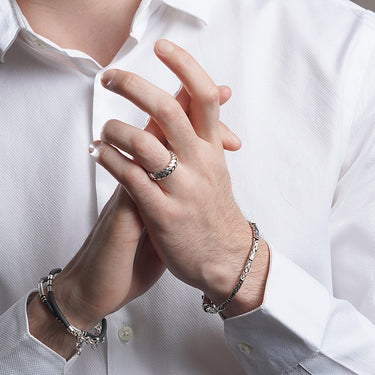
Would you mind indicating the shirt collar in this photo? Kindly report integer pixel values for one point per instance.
(10, 25)
(199, 9)
(11, 21)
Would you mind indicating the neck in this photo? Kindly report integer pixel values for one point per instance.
(74, 6)
(96, 27)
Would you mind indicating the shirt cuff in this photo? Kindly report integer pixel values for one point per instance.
(287, 328)
(22, 353)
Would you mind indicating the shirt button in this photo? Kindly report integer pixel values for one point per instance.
(125, 333)
(41, 44)
(244, 348)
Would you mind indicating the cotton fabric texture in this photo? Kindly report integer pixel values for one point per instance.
(304, 106)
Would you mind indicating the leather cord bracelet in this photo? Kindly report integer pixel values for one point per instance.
(207, 305)
(93, 339)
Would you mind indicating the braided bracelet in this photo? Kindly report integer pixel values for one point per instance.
(207, 305)
(81, 336)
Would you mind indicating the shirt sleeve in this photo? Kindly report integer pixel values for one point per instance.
(20, 352)
(302, 327)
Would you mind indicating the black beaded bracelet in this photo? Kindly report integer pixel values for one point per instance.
(81, 336)
(43, 296)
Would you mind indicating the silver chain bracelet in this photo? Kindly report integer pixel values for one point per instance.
(82, 337)
(207, 305)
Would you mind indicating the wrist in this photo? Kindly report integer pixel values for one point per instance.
(68, 294)
(44, 327)
(251, 294)
(226, 276)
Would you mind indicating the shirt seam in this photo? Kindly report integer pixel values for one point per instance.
(338, 204)
(292, 367)
(321, 354)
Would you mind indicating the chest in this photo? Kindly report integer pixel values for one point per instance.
(287, 117)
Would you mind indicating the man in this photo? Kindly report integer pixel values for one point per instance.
(302, 104)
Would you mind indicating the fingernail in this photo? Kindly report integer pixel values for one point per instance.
(94, 149)
(107, 78)
(163, 46)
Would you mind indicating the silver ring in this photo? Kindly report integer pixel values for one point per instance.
(156, 176)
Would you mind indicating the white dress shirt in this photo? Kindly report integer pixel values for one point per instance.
(303, 81)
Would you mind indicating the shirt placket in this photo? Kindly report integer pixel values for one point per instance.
(107, 105)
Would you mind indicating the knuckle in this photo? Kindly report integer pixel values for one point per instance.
(171, 213)
(130, 177)
(127, 176)
(168, 109)
(141, 144)
(212, 96)
(127, 80)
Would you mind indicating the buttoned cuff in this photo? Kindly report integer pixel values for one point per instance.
(22, 353)
(287, 328)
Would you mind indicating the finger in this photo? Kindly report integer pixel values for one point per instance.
(142, 145)
(205, 96)
(160, 105)
(145, 148)
(132, 176)
(183, 97)
(230, 141)
(225, 94)
(153, 128)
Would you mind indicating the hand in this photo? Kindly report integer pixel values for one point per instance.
(108, 272)
(104, 275)
(192, 219)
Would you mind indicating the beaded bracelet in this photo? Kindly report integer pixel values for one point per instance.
(207, 305)
(81, 336)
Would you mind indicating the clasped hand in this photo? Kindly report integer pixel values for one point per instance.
(194, 226)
